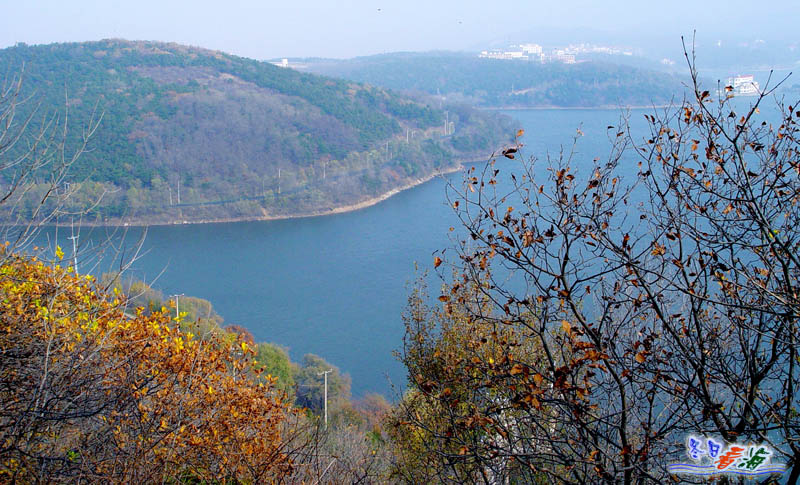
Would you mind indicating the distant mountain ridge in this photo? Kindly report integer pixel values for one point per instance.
(507, 83)
(194, 134)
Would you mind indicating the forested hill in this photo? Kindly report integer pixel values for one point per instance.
(193, 134)
(507, 83)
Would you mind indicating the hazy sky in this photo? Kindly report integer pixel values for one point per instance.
(346, 28)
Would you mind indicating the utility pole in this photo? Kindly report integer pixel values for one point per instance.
(279, 181)
(177, 305)
(74, 249)
(325, 373)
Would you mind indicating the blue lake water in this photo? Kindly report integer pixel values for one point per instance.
(336, 285)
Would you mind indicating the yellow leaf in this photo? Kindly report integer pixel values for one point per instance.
(59, 253)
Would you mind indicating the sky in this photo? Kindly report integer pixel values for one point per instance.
(270, 29)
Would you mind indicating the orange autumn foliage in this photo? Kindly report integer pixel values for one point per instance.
(89, 393)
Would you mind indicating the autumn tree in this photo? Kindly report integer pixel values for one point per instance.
(88, 393)
(465, 391)
(602, 309)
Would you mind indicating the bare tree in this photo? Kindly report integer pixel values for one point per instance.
(34, 162)
(605, 309)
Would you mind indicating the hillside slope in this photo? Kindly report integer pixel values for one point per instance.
(506, 83)
(192, 134)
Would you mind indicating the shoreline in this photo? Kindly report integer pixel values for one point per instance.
(336, 210)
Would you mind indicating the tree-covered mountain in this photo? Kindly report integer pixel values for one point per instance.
(193, 134)
(506, 83)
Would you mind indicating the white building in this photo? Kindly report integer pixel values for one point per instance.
(504, 55)
(744, 85)
(531, 49)
(564, 56)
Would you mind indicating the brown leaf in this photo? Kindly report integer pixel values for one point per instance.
(509, 152)
(658, 249)
(437, 261)
(531, 399)
(527, 238)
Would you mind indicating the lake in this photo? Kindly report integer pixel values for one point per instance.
(336, 285)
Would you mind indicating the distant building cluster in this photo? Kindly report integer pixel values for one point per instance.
(744, 86)
(535, 52)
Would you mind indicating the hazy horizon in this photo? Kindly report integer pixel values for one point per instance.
(359, 27)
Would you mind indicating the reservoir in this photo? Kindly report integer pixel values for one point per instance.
(337, 285)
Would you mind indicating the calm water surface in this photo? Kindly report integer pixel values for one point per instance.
(336, 285)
